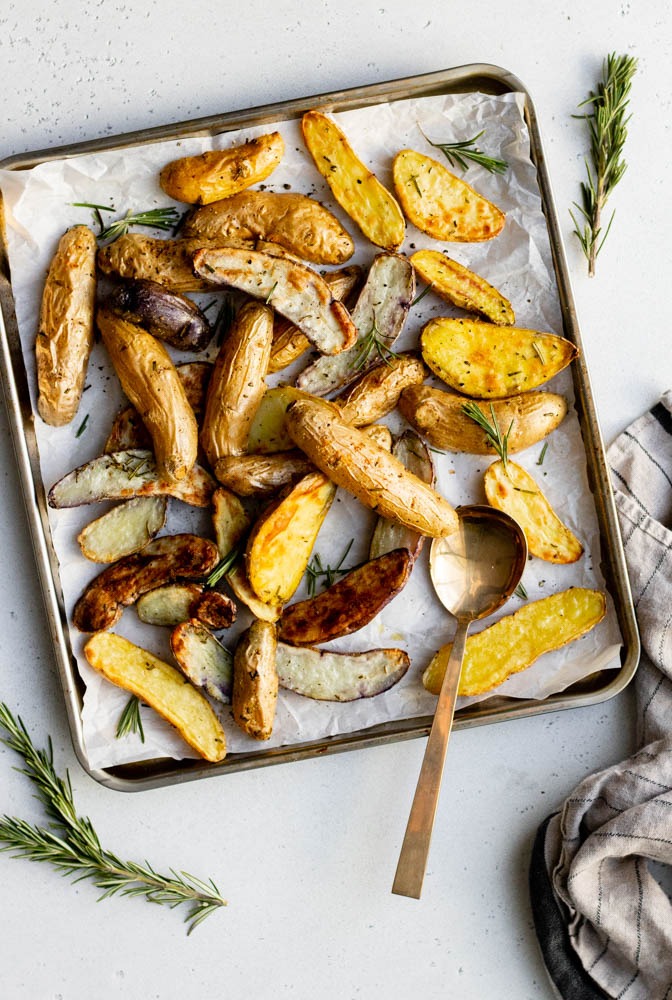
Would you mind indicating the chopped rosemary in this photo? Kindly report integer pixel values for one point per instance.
(154, 218)
(70, 844)
(130, 720)
(542, 454)
(315, 570)
(82, 426)
(372, 343)
(457, 153)
(499, 441)
(521, 592)
(608, 126)
(420, 297)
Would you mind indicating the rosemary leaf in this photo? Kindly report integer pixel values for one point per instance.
(499, 441)
(458, 153)
(222, 567)
(130, 720)
(154, 218)
(372, 343)
(315, 570)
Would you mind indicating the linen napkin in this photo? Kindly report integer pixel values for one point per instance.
(600, 864)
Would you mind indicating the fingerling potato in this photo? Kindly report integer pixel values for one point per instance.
(388, 535)
(455, 283)
(220, 173)
(376, 393)
(167, 315)
(329, 676)
(255, 680)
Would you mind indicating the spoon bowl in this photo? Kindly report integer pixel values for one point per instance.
(474, 571)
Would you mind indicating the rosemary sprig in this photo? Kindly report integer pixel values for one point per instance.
(70, 844)
(499, 441)
(458, 153)
(224, 319)
(607, 122)
(372, 343)
(130, 720)
(223, 567)
(154, 218)
(315, 570)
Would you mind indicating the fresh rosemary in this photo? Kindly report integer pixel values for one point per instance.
(224, 319)
(70, 844)
(458, 153)
(315, 570)
(493, 433)
(223, 567)
(130, 720)
(608, 126)
(372, 343)
(154, 218)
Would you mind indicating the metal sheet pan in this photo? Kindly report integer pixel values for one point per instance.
(598, 687)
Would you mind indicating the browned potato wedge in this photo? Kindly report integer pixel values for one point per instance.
(295, 291)
(203, 659)
(295, 222)
(347, 605)
(255, 680)
(281, 541)
(214, 609)
(377, 392)
(167, 315)
(120, 475)
(220, 173)
(527, 417)
(512, 489)
(169, 262)
(388, 535)
(262, 475)
(163, 560)
(149, 379)
(123, 529)
(457, 284)
(66, 328)
(375, 477)
(514, 642)
(162, 687)
(237, 384)
(356, 189)
(379, 316)
(441, 204)
(328, 676)
(169, 605)
(491, 362)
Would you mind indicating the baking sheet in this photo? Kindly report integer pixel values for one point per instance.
(38, 205)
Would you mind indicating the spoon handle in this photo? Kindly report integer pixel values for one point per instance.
(415, 848)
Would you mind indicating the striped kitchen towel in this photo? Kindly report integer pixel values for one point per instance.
(602, 866)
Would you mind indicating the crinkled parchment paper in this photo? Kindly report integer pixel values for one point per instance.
(39, 204)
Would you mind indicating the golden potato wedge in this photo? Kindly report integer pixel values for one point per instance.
(168, 262)
(66, 326)
(348, 604)
(328, 676)
(376, 393)
(356, 189)
(123, 529)
(512, 489)
(168, 558)
(389, 535)
(514, 642)
(279, 547)
(376, 478)
(237, 384)
(255, 680)
(464, 288)
(441, 204)
(268, 433)
(295, 222)
(162, 687)
(203, 659)
(262, 475)
(292, 289)
(490, 362)
(220, 173)
(149, 379)
(528, 417)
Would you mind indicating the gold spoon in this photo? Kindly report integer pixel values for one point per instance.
(474, 571)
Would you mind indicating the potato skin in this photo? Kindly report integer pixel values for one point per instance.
(66, 326)
(165, 314)
(380, 481)
(255, 680)
(438, 416)
(168, 262)
(377, 392)
(455, 283)
(220, 173)
(150, 380)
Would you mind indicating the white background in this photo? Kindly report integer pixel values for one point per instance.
(305, 852)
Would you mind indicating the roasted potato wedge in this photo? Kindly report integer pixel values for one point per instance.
(438, 415)
(255, 680)
(168, 605)
(348, 604)
(66, 326)
(440, 204)
(221, 173)
(203, 659)
(162, 687)
(168, 262)
(295, 222)
(490, 362)
(328, 676)
(268, 433)
(375, 477)
(356, 189)
(464, 288)
(282, 539)
(149, 379)
(514, 642)
(167, 315)
(512, 489)
(123, 529)
(379, 316)
(389, 535)
(237, 384)
(163, 560)
(123, 474)
(294, 290)
(214, 609)
(376, 393)
(262, 475)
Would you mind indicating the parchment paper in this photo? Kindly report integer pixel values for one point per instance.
(39, 205)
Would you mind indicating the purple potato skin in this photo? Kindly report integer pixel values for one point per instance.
(167, 315)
